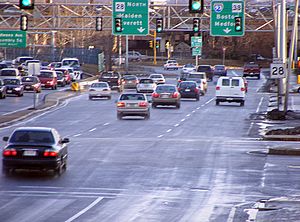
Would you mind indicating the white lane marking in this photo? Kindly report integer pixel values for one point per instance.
(193, 111)
(212, 99)
(250, 128)
(169, 130)
(27, 107)
(188, 115)
(77, 135)
(160, 136)
(259, 105)
(176, 125)
(293, 108)
(84, 210)
(231, 215)
(105, 124)
(202, 105)
(182, 120)
(198, 107)
(91, 130)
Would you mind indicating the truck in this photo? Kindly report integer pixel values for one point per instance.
(251, 69)
(114, 80)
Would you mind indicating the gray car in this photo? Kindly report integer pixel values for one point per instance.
(166, 94)
(133, 104)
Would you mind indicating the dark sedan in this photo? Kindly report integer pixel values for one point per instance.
(14, 86)
(37, 148)
(32, 83)
(189, 89)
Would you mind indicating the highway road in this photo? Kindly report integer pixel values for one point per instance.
(201, 163)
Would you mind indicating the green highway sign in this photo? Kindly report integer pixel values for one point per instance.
(227, 18)
(130, 17)
(12, 39)
(196, 51)
(196, 41)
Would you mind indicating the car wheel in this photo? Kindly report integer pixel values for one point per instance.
(242, 103)
(298, 90)
(90, 98)
(197, 98)
(217, 103)
(59, 170)
(109, 97)
(5, 171)
(119, 116)
(2, 96)
(147, 116)
(178, 105)
(153, 105)
(258, 77)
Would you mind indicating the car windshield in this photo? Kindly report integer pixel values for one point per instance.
(32, 137)
(132, 97)
(11, 81)
(99, 85)
(165, 89)
(129, 77)
(8, 73)
(46, 74)
(146, 81)
(29, 79)
(196, 76)
(70, 62)
(189, 66)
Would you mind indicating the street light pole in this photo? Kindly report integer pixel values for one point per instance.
(224, 52)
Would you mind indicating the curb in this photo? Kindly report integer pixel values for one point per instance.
(281, 137)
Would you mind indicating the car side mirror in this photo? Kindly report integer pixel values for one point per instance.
(5, 138)
(65, 140)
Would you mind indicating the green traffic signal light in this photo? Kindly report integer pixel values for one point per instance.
(159, 25)
(118, 24)
(196, 24)
(26, 4)
(196, 5)
(238, 24)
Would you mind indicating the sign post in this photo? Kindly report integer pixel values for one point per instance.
(227, 18)
(196, 44)
(130, 17)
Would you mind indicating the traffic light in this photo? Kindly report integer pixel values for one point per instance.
(195, 6)
(157, 44)
(196, 25)
(118, 24)
(99, 24)
(159, 25)
(238, 24)
(24, 22)
(26, 4)
(151, 44)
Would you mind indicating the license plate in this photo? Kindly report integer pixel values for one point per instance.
(229, 98)
(131, 105)
(129, 81)
(9, 91)
(164, 96)
(187, 90)
(29, 153)
(27, 87)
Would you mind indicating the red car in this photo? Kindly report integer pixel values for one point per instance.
(48, 79)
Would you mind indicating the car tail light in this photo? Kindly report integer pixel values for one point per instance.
(155, 95)
(10, 152)
(179, 89)
(143, 104)
(50, 153)
(196, 90)
(243, 89)
(120, 104)
(218, 88)
(175, 95)
(179, 80)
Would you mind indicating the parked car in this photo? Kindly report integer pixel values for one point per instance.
(114, 80)
(189, 89)
(133, 104)
(14, 86)
(130, 81)
(32, 83)
(10, 73)
(157, 78)
(220, 70)
(61, 80)
(171, 64)
(188, 68)
(38, 148)
(208, 71)
(146, 85)
(135, 56)
(99, 90)
(166, 94)
(48, 79)
(251, 69)
(230, 89)
(2, 89)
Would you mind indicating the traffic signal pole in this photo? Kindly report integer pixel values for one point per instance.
(154, 48)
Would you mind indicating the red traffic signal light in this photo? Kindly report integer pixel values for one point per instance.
(159, 25)
(24, 22)
(26, 4)
(196, 6)
(118, 24)
(196, 24)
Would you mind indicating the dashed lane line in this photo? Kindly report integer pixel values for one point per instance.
(91, 130)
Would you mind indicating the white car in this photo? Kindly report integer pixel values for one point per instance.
(231, 89)
(171, 64)
(146, 86)
(196, 76)
(158, 78)
(188, 68)
(99, 90)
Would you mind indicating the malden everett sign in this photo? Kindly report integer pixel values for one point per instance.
(134, 17)
(12, 39)
(224, 15)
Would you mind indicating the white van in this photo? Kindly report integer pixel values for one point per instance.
(230, 89)
(10, 73)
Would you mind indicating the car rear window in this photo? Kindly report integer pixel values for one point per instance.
(165, 89)
(187, 84)
(235, 82)
(219, 67)
(203, 68)
(7, 73)
(156, 76)
(32, 137)
(196, 76)
(29, 79)
(146, 81)
(132, 97)
(130, 77)
(110, 75)
(225, 82)
(100, 85)
(11, 81)
(46, 74)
